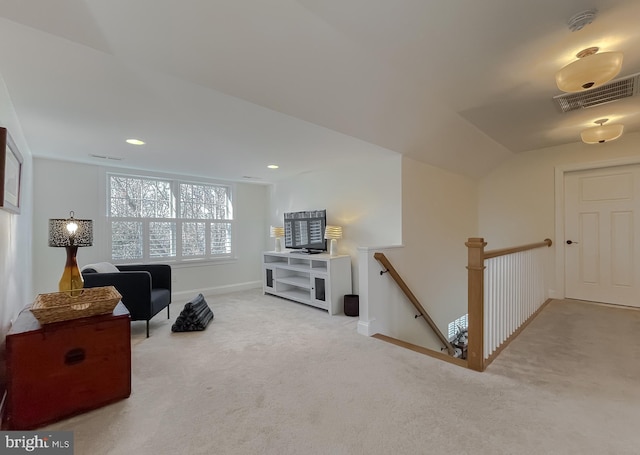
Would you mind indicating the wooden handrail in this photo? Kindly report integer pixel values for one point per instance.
(380, 257)
(516, 249)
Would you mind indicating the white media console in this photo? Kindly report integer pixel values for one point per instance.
(319, 280)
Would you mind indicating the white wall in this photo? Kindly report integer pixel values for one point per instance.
(15, 231)
(363, 198)
(60, 187)
(438, 215)
(419, 215)
(516, 202)
(63, 186)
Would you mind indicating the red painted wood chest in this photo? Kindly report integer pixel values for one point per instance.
(66, 368)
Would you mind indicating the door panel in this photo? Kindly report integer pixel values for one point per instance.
(590, 252)
(602, 220)
(621, 238)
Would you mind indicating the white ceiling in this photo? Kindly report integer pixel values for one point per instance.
(222, 88)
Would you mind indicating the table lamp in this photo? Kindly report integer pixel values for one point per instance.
(71, 234)
(333, 233)
(278, 233)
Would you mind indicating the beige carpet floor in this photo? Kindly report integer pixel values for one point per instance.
(270, 376)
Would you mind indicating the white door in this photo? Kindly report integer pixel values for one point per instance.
(602, 235)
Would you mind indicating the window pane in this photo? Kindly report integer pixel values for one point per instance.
(205, 202)
(194, 241)
(145, 221)
(122, 203)
(134, 197)
(126, 240)
(162, 239)
(457, 326)
(220, 238)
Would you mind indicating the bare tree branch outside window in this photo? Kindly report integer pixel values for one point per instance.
(154, 218)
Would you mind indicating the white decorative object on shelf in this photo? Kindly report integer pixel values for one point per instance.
(277, 232)
(319, 280)
(333, 233)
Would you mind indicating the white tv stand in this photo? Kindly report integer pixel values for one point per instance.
(318, 280)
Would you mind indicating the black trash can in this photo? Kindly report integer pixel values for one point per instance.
(351, 305)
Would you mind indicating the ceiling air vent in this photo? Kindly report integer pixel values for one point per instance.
(606, 93)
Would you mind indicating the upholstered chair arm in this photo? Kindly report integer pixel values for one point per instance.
(160, 273)
(135, 288)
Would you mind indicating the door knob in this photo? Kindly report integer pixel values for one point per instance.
(569, 242)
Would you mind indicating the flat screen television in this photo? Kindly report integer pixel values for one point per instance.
(304, 231)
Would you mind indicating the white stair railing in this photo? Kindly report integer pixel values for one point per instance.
(506, 288)
(514, 290)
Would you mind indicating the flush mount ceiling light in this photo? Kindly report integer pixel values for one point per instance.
(135, 142)
(602, 133)
(273, 166)
(589, 71)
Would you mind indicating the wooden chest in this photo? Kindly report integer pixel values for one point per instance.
(61, 369)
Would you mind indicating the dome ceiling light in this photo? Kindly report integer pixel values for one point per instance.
(589, 71)
(602, 133)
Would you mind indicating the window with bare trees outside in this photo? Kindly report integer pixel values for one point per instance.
(170, 220)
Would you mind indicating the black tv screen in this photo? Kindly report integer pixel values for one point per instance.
(305, 230)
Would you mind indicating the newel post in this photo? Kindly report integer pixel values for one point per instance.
(475, 267)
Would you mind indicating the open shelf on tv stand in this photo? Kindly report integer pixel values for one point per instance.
(306, 251)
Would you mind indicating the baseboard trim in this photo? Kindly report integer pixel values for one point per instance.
(553, 294)
(366, 328)
(422, 350)
(215, 290)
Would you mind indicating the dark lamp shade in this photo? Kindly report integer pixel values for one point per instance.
(60, 236)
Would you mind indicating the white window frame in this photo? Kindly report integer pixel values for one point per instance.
(454, 327)
(179, 257)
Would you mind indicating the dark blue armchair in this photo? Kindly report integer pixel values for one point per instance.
(145, 289)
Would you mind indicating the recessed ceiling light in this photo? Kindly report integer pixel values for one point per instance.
(106, 157)
(273, 166)
(135, 142)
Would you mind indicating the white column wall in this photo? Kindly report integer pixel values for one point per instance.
(439, 214)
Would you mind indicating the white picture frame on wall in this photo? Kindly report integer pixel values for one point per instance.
(10, 173)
